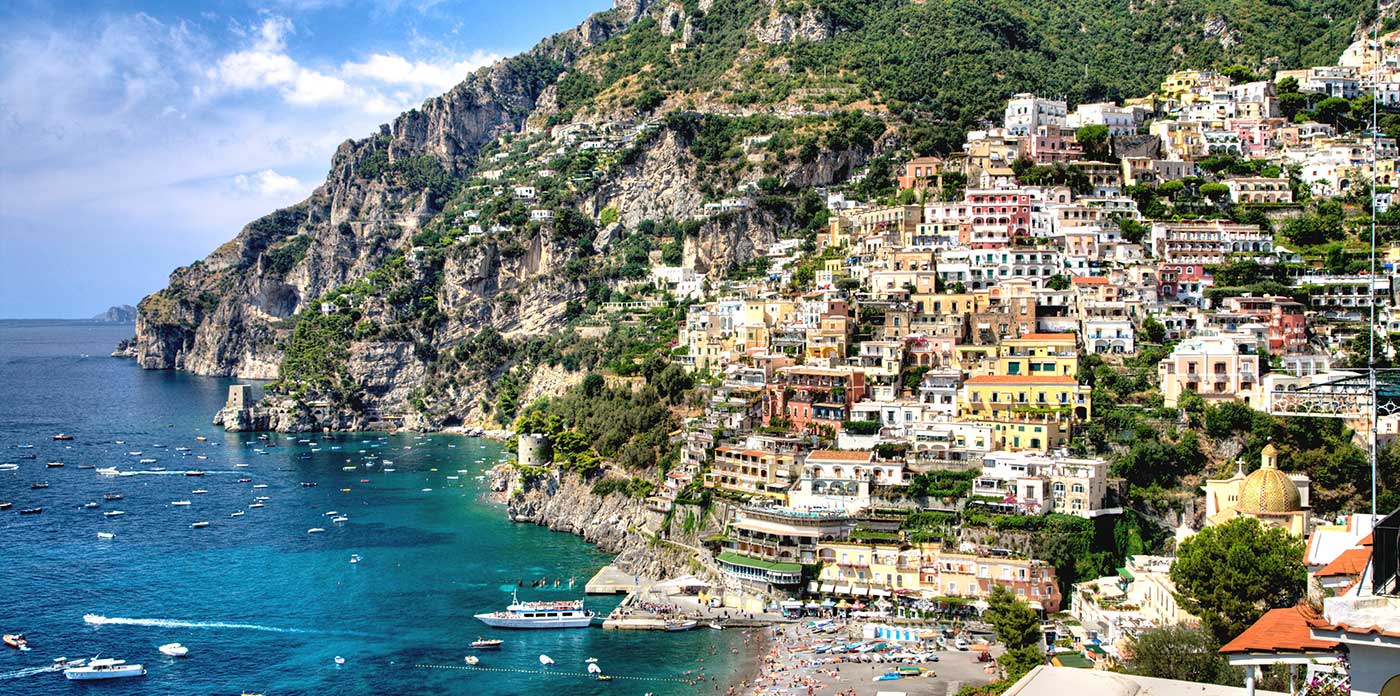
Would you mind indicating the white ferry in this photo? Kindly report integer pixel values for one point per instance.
(564, 614)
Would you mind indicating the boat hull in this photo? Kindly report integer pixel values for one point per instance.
(513, 622)
(122, 673)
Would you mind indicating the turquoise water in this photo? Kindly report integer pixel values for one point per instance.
(261, 604)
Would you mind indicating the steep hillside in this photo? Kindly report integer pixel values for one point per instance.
(451, 254)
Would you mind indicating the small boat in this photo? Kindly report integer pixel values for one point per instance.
(180, 503)
(354, 558)
(260, 485)
(31, 511)
(8, 466)
(200, 438)
(108, 471)
(199, 491)
(54, 465)
(240, 465)
(24, 446)
(342, 518)
(112, 496)
(104, 669)
(315, 530)
(91, 505)
(135, 453)
(240, 513)
(255, 506)
(5, 505)
(308, 484)
(113, 513)
(87, 466)
(472, 659)
(199, 525)
(194, 473)
(38, 486)
(329, 513)
(339, 660)
(201, 456)
(427, 490)
(62, 437)
(147, 460)
(347, 468)
(715, 625)
(261, 499)
(685, 625)
(182, 449)
(546, 660)
(487, 644)
(107, 536)
(16, 641)
(174, 650)
(245, 480)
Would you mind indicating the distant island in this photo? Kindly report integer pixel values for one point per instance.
(119, 314)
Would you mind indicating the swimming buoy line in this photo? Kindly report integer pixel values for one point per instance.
(585, 675)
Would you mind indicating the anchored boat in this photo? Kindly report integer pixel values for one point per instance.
(104, 669)
(561, 614)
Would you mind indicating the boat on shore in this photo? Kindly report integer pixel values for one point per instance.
(559, 614)
(105, 668)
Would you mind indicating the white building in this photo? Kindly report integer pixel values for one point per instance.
(1025, 112)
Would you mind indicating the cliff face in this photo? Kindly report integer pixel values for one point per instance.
(616, 523)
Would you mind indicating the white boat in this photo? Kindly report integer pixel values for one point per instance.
(339, 660)
(240, 513)
(546, 660)
(106, 535)
(104, 668)
(180, 503)
(174, 650)
(255, 506)
(330, 513)
(684, 625)
(109, 471)
(354, 558)
(147, 460)
(315, 530)
(199, 491)
(260, 485)
(562, 614)
(8, 467)
(199, 525)
(342, 518)
(113, 513)
(472, 659)
(716, 626)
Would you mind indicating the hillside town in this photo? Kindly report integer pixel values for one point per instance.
(899, 407)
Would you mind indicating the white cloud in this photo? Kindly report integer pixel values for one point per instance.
(394, 69)
(268, 183)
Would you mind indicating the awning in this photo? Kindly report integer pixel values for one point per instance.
(812, 605)
(1125, 574)
(861, 591)
(791, 604)
(877, 592)
(827, 587)
(842, 589)
(812, 587)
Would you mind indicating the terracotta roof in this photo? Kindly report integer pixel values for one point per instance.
(837, 455)
(1089, 280)
(1045, 337)
(1322, 625)
(1349, 564)
(1279, 631)
(1064, 380)
(1368, 540)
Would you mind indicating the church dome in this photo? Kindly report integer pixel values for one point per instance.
(1269, 490)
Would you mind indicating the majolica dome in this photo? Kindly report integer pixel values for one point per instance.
(1269, 490)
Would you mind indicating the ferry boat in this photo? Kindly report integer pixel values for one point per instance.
(104, 669)
(562, 614)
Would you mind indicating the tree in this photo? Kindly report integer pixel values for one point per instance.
(1059, 281)
(1230, 574)
(1132, 230)
(1185, 653)
(1094, 139)
(1017, 625)
(1334, 111)
(1153, 331)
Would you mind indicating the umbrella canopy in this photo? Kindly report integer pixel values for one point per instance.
(593, 668)
(842, 604)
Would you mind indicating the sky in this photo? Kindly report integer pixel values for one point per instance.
(136, 137)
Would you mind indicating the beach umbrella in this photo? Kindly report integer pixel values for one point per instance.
(546, 660)
(593, 668)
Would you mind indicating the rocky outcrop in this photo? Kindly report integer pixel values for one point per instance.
(118, 314)
(782, 27)
(616, 523)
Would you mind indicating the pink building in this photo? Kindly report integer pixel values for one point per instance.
(1048, 144)
(993, 211)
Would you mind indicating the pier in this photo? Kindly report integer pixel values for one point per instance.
(611, 580)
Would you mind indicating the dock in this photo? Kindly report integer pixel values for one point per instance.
(610, 580)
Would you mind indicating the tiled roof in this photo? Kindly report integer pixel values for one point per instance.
(1089, 280)
(837, 455)
(1322, 625)
(1278, 631)
(1045, 337)
(1059, 380)
(1349, 564)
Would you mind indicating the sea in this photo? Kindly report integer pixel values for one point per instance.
(263, 605)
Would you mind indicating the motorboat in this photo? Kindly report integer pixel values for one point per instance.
(546, 660)
(342, 518)
(315, 530)
(245, 480)
(174, 650)
(5, 505)
(308, 484)
(199, 525)
(354, 558)
(87, 466)
(194, 473)
(255, 506)
(16, 641)
(38, 486)
(91, 505)
(106, 536)
(683, 625)
(472, 659)
(55, 465)
(240, 513)
(9, 466)
(559, 614)
(108, 471)
(147, 460)
(329, 513)
(716, 626)
(31, 511)
(339, 660)
(62, 437)
(260, 485)
(112, 496)
(261, 499)
(200, 438)
(487, 644)
(113, 513)
(199, 491)
(104, 668)
(180, 503)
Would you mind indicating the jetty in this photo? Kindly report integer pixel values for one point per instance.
(611, 580)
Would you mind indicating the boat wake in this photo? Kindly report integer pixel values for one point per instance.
(178, 472)
(99, 620)
(27, 672)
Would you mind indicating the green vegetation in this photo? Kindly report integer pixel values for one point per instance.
(1184, 653)
(1230, 574)
(1018, 628)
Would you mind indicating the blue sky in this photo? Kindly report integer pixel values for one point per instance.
(136, 137)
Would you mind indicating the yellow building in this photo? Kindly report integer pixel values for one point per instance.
(1038, 354)
(1030, 412)
(1267, 494)
(1189, 86)
(869, 569)
(753, 472)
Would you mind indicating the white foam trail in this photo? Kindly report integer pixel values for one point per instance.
(99, 620)
(28, 672)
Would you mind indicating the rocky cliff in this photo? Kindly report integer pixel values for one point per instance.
(616, 523)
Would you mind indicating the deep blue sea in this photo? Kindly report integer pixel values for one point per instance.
(262, 605)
